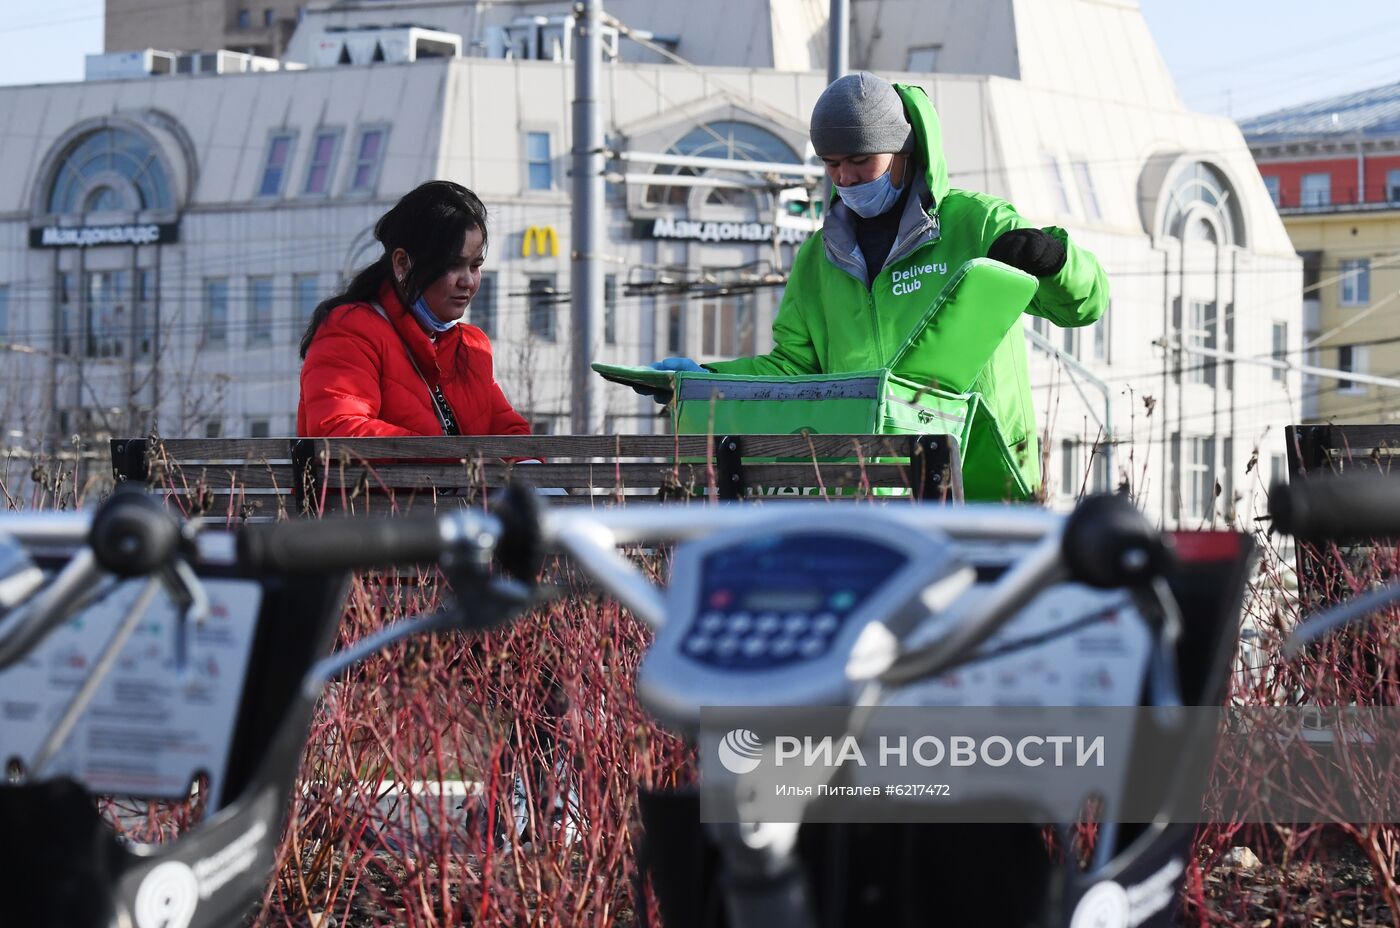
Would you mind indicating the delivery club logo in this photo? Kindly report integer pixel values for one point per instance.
(740, 751)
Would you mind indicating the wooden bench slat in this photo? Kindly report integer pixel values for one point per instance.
(259, 477)
(278, 449)
(607, 476)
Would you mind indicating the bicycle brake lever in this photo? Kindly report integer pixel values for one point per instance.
(1330, 620)
(191, 603)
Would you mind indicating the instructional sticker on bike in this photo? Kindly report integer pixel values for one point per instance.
(1045, 764)
(160, 717)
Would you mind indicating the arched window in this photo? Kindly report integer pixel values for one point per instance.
(110, 169)
(728, 139)
(1202, 206)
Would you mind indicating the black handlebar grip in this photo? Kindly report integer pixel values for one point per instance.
(133, 534)
(520, 551)
(326, 545)
(1108, 543)
(1352, 506)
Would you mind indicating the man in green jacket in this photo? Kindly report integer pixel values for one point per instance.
(849, 305)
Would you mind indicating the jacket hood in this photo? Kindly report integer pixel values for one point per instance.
(928, 139)
(928, 143)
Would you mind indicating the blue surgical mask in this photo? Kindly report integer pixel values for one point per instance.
(870, 198)
(423, 314)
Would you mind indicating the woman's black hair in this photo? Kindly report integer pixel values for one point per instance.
(430, 223)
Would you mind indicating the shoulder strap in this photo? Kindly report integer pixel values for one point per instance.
(446, 419)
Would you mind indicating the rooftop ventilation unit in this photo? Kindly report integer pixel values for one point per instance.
(541, 38)
(117, 66)
(224, 61)
(373, 44)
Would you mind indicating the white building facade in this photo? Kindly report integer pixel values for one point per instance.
(162, 241)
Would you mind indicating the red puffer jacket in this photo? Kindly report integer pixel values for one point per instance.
(357, 379)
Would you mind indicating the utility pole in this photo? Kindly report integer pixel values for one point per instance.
(585, 274)
(838, 59)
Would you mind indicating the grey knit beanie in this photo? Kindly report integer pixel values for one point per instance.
(860, 114)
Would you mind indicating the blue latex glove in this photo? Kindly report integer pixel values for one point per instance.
(667, 364)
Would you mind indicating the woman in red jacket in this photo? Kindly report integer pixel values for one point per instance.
(391, 355)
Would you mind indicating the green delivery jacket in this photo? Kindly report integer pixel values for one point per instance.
(829, 322)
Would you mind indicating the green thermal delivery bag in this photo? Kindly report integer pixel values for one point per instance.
(970, 316)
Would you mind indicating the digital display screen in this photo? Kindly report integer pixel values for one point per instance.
(782, 600)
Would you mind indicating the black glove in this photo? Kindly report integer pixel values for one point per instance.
(1031, 250)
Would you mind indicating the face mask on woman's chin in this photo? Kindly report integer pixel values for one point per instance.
(424, 315)
(870, 198)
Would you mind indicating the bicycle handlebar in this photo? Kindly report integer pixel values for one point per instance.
(340, 544)
(1354, 506)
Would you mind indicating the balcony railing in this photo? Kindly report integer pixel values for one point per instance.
(1339, 200)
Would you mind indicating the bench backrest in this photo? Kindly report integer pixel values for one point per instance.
(268, 477)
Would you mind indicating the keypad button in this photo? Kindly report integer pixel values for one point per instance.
(825, 623)
(740, 623)
(768, 623)
(797, 623)
(712, 622)
(727, 646)
(811, 646)
(784, 646)
(755, 646)
(699, 645)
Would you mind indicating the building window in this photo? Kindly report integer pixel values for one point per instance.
(213, 428)
(1271, 184)
(279, 154)
(306, 291)
(1041, 326)
(1200, 333)
(245, 19)
(727, 325)
(108, 324)
(728, 139)
(1099, 465)
(610, 309)
(1392, 185)
(4, 312)
(1201, 201)
(1280, 351)
(1316, 190)
(259, 428)
(215, 314)
(542, 306)
(1199, 482)
(369, 155)
(539, 166)
(1059, 196)
(483, 305)
(1087, 194)
(269, 17)
(923, 59)
(144, 324)
(318, 172)
(67, 313)
(675, 328)
(1351, 359)
(259, 311)
(1070, 337)
(1100, 335)
(1069, 471)
(1356, 282)
(84, 180)
(542, 423)
(1278, 469)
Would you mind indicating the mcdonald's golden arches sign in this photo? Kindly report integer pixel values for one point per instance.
(540, 240)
